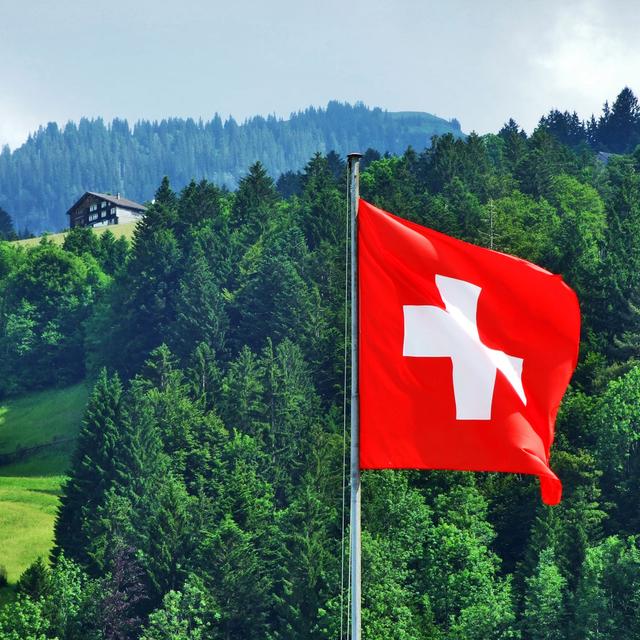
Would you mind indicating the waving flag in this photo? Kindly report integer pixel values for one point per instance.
(465, 353)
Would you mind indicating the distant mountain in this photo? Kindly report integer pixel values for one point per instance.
(41, 180)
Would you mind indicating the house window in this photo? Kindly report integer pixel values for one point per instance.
(93, 207)
(104, 204)
(113, 211)
(93, 216)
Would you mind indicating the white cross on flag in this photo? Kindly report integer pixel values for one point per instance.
(452, 332)
(465, 353)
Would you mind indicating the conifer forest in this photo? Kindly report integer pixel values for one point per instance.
(204, 497)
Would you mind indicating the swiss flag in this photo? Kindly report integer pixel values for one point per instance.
(465, 353)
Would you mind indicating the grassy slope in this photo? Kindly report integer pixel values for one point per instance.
(29, 488)
(118, 230)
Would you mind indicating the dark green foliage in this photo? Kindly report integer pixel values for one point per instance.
(617, 130)
(235, 576)
(146, 296)
(607, 596)
(93, 469)
(34, 582)
(81, 240)
(273, 298)
(289, 184)
(47, 294)
(113, 253)
(188, 614)
(254, 201)
(545, 609)
(566, 127)
(322, 201)
(7, 232)
(200, 315)
(204, 499)
(115, 157)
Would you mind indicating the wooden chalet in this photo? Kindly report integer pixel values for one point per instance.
(100, 209)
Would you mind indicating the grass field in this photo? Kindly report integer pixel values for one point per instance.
(30, 486)
(118, 230)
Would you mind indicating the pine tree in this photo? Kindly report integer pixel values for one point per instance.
(171, 537)
(544, 608)
(200, 315)
(93, 470)
(273, 301)
(145, 296)
(7, 231)
(242, 403)
(255, 199)
(235, 577)
(321, 209)
(165, 196)
(293, 414)
(204, 376)
(34, 582)
(619, 129)
(113, 253)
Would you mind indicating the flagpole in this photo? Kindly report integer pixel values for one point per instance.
(353, 161)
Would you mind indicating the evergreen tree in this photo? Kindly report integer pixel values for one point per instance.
(235, 577)
(255, 199)
(7, 232)
(619, 128)
(93, 469)
(607, 595)
(34, 582)
(200, 315)
(544, 609)
(273, 300)
(112, 252)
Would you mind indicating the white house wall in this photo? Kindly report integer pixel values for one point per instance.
(124, 216)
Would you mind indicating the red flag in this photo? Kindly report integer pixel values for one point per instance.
(465, 353)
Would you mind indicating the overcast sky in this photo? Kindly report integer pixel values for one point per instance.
(479, 61)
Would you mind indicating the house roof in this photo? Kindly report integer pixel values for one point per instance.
(124, 203)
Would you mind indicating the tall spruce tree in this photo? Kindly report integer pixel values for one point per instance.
(94, 468)
(545, 606)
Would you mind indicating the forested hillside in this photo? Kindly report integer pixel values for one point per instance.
(43, 178)
(204, 497)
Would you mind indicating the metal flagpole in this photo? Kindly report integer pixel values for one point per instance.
(353, 160)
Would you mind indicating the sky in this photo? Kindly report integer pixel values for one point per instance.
(479, 61)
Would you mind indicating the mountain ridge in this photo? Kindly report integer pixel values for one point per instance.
(40, 179)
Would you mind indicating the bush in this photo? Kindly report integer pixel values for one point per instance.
(3, 576)
(34, 582)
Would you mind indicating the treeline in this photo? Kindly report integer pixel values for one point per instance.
(204, 498)
(617, 130)
(42, 179)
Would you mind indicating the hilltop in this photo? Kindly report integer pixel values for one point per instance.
(41, 179)
(125, 230)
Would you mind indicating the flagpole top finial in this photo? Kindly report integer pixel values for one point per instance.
(354, 155)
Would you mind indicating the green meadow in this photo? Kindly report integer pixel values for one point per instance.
(37, 431)
(125, 230)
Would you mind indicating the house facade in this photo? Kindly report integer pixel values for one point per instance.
(100, 209)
